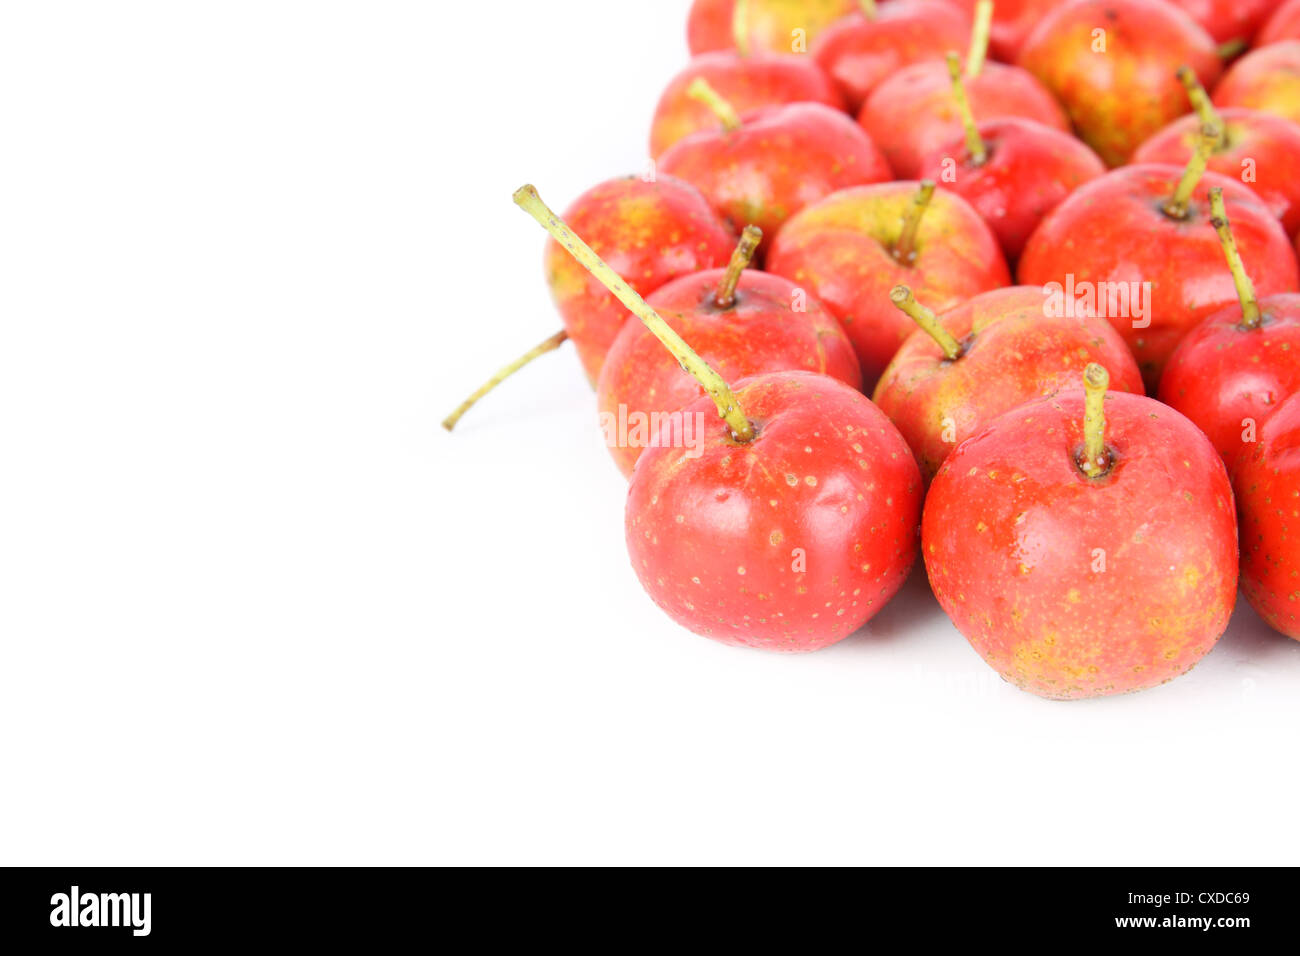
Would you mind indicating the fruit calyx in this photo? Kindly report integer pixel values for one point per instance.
(1177, 206)
(742, 430)
(976, 148)
(904, 250)
(1095, 459)
(903, 298)
(1251, 316)
(702, 92)
(741, 257)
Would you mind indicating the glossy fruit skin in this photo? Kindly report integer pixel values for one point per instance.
(1270, 143)
(1283, 24)
(649, 233)
(1013, 21)
(1226, 20)
(791, 542)
(1267, 483)
(1013, 354)
(747, 83)
(759, 333)
(1117, 99)
(1223, 375)
(1113, 229)
(1267, 79)
(913, 113)
(858, 54)
(839, 250)
(770, 24)
(708, 26)
(1029, 170)
(1013, 531)
(782, 159)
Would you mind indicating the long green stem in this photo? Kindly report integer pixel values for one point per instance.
(740, 26)
(1096, 459)
(902, 297)
(1199, 99)
(549, 344)
(979, 38)
(1206, 143)
(702, 92)
(905, 248)
(975, 147)
(728, 407)
(741, 257)
(1251, 317)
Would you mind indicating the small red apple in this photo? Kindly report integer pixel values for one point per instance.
(741, 323)
(1283, 24)
(861, 50)
(1013, 171)
(1267, 483)
(1112, 63)
(852, 248)
(746, 82)
(993, 352)
(784, 26)
(708, 26)
(1266, 79)
(1013, 21)
(762, 168)
(1228, 21)
(1085, 552)
(1234, 369)
(1139, 242)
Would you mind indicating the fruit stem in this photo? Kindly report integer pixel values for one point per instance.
(979, 38)
(902, 297)
(868, 8)
(740, 26)
(1250, 314)
(1176, 207)
(741, 257)
(905, 247)
(1096, 459)
(1200, 100)
(975, 147)
(728, 408)
(700, 91)
(548, 345)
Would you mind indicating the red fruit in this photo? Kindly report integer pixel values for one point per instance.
(757, 332)
(1229, 375)
(784, 26)
(852, 248)
(996, 351)
(648, 232)
(776, 162)
(1284, 24)
(913, 113)
(859, 51)
(1013, 21)
(747, 83)
(1013, 171)
(1228, 20)
(1074, 586)
(790, 542)
(1119, 96)
(1145, 224)
(1266, 79)
(708, 26)
(1267, 483)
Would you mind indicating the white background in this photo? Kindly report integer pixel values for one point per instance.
(256, 607)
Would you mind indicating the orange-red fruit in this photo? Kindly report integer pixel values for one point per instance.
(1228, 20)
(649, 233)
(1070, 586)
(790, 542)
(761, 332)
(1013, 21)
(1267, 482)
(1012, 353)
(1284, 24)
(1266, 79)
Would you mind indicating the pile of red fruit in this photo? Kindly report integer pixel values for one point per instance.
(1086, 454)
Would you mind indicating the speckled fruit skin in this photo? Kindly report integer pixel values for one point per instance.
(1284, 24)
(1117, 99)
(1029, 170)
(759, 333)
(1267, 483)
(1114, 230)
(747, 83)
(1223, 374)
(1270, 141)
(708, 26)
(859, 53)
(1014, 353)
(782, 159)
(839, 250)
(1011, 535)
(791, 542)
(913, 113)
(1267, 79)
(649, 233)
(1226, 20)
(1013, 21)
